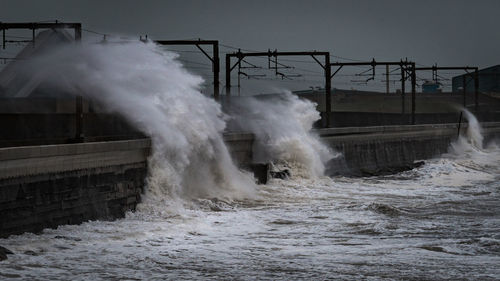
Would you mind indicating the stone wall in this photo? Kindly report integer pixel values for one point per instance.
(49, 200)
(240, 145)
(50, 185)
(388, 149)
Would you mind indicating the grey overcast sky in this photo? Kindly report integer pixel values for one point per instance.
(444, 32)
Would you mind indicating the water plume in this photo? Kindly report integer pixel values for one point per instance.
(282, 125)
(151, 89)
(474, 130)
(473, 138)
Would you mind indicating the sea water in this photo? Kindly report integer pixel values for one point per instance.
(440, 221)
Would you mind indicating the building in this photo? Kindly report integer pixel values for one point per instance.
(431, 87)
(489, 81)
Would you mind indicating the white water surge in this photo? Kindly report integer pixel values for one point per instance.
(473, 137)
(152, 90)
(145, 84)
(282, 125)
(437, 222)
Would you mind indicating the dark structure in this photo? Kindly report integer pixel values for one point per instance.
(34, 26)
(489, 81)
(407, 71)
(13, 85)
(275, 54)
(214, 58)
(60, 161)
(388, 149)
(32, 113)
(51, 185)
(355, 108)
(473, 75)
(432, 87)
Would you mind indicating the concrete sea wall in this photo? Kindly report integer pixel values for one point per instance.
(387, 149)
(49, 185)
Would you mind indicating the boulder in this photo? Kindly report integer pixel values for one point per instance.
(4, 252)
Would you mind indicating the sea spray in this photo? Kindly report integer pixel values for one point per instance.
(473, 138)
(282, 125)
(474, 130)
(467, 160)
(151, 89)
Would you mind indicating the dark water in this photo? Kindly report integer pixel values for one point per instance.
(438, 222)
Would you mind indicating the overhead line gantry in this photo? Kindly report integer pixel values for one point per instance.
(214, 58)
(39, 25)
(407, 70)
(275, 54)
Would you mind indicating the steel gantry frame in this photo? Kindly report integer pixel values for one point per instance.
(215, 59)
(79, 135)
(39, 25)
(407, 70)
(475, 76)
(270, 54)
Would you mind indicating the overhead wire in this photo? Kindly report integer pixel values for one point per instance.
(295, 70)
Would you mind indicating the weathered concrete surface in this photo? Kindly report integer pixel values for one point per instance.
(385, 149)
(46, 159)
(49, 200)
(240, 146)
(50, 185)
(46, 186)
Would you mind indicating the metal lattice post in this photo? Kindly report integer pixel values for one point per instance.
(328, 90)
(413, 92)
(403, 79)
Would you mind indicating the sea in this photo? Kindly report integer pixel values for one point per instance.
(440, 221)
(203, 219)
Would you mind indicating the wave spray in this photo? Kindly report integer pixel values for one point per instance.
(151, 89)
(282, 125)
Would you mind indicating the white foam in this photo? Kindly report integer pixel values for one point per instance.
(282, 125)
(151, 89)
(474, 130)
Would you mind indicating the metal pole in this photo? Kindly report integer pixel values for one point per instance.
(239, 79)
(228, 76)
(78, 32)
(33, 36)
(79, 119)
(464, 86)
(79, 98)
(413, 89)
(459, 123)
(476, 91)
(216, 64)
(387, 78)
(328, 90)
(403, 78)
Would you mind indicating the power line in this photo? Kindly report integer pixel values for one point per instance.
(194, 62)
(95, 32)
